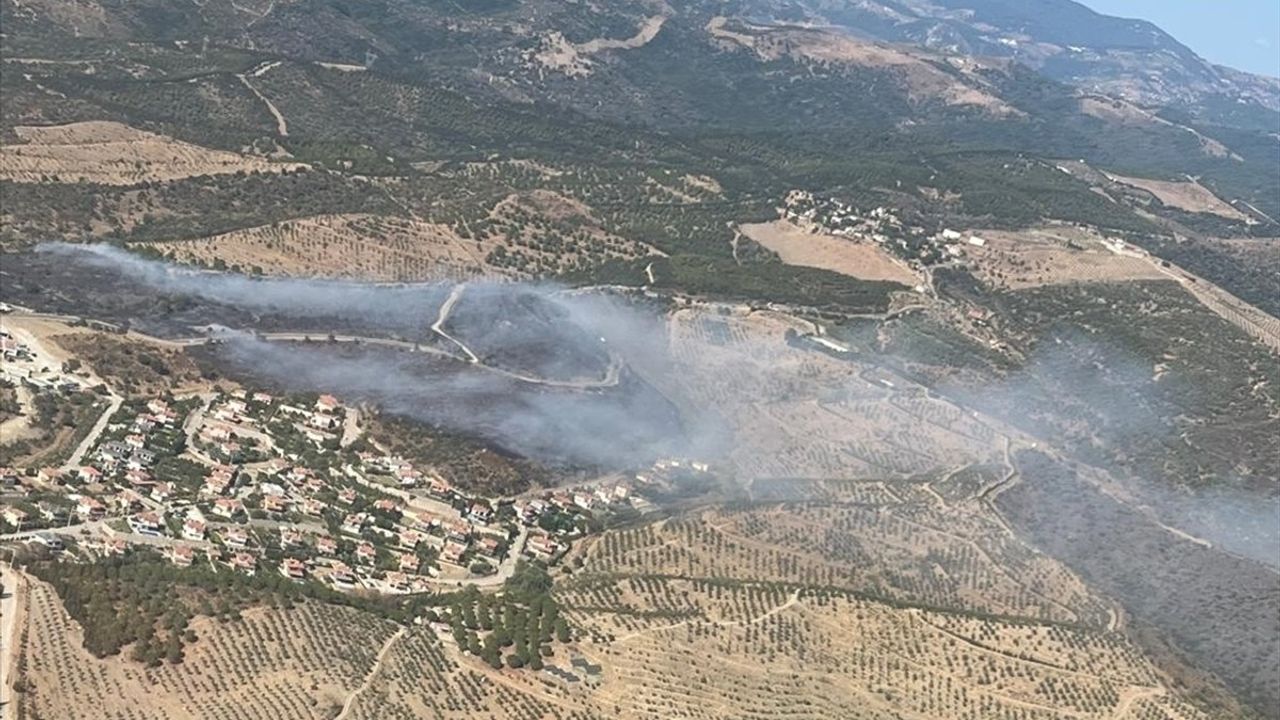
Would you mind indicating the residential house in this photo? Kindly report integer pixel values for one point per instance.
(141, 459)
(194, 529)
(408, 562)
(162, 492)
(290, 537)
(216, 433)
(459, 530)
(480, 512)
(245, 563)
(129, 501)
(326, 545)
(236, 538)
(441, 487)
(275, 504)
(147, 523)
(452, 552)
(216, 484)
(366, 553)
(354, 523)
(489, 546)
(341, 575)
(409, 539)
(90, 508)
(541, 546)
(227, 507)
(294, 569)
(15, 517)
(182, 555)
(89, 474)
(408, 477)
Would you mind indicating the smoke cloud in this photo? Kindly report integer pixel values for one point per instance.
(558, 376)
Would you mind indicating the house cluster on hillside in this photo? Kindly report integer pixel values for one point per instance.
(237, 480)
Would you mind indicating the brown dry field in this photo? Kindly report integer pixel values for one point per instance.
(1030, 258)
(115, 154)
(797, 246)
(1183, 195)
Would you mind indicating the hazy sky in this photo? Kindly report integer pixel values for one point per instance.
(1243, 34)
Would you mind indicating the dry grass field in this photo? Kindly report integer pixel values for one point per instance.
(523, 236)
(111, 153)
(1014, 260)
(1183, 195)
(843, 255)
(346, 246)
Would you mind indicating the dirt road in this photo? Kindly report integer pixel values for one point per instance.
(373, 673)
(438, 326)
(82, 449)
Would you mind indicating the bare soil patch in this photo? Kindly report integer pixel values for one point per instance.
(796, 246)
(1189, 195)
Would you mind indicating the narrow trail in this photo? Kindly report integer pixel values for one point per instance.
(1131, 695)
(438, 327)
(282, 127)
(791, 602)
(373, 673)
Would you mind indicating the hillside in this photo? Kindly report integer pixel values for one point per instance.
(665, 127)
(871, 359)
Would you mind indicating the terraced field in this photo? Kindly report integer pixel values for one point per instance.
(111, 153)
(299, 663)
(655, 602)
